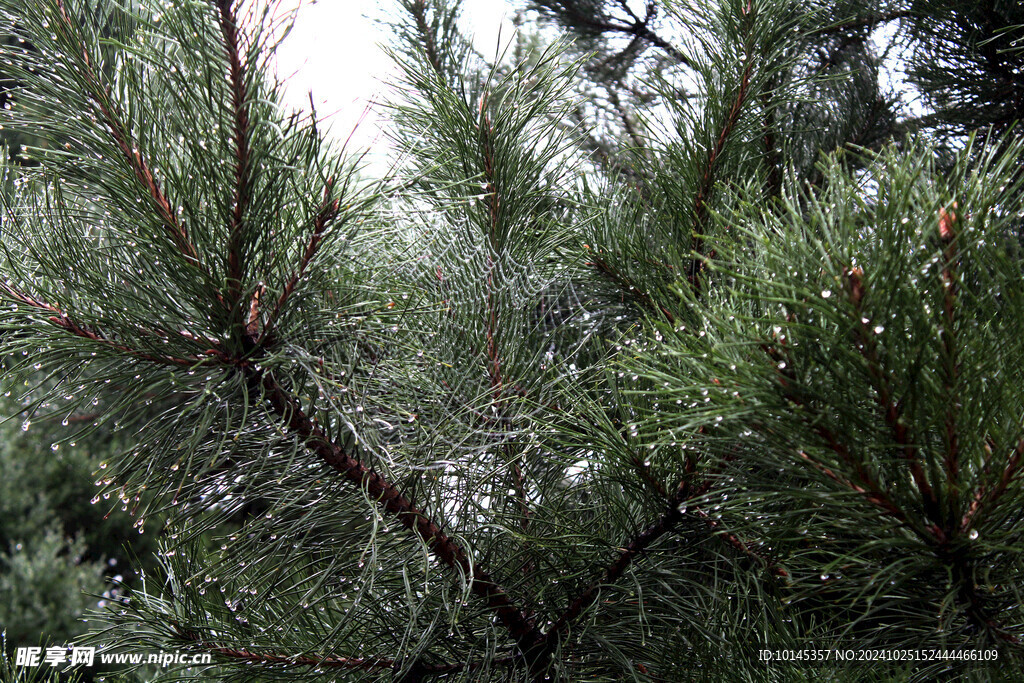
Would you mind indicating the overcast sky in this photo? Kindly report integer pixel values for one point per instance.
(333, 51)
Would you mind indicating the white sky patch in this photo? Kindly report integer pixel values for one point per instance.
(883, 40)
(334, 52)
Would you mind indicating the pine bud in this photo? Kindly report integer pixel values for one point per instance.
(946, 221)
(855, 280)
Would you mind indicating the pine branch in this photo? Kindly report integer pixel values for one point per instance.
(639, 28)
(243, 162)
(983, 498)
(708, 176)
(326, 214)
(1011, 470)
(950, 362)
(418, 9)
(873, 493)
(444, 548)
(333, 662)
(100, 95)
(614, 571)
(66, 323)
(773, 158)
(627, 285)
(492, 199)
(892, 410)
(367, 663)
(741, 545)
(868, 486)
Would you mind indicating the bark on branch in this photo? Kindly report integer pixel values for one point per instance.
(286, 407)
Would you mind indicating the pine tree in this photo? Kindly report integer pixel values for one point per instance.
(632, 388)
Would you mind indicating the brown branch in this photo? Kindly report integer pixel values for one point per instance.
(740, 545)
(331, 662)
(730, 538)
(873, 495)
(977, 614)
(494, 356)
(614, 571)
(325, 215)
(638, 28)
(627, 285)
(983, 498)
(298, 660)
(935, 535)
(60, 319)
(868, 487)
(950, 365)
(708, 177)
(100, 95)
(243, 162)
(419, 13)
(1011, 470)
(644, 470)
(773, 158)
(943, 527)
(349, 663)
(892, 410)
(628, 554)
(522, 629)
(587, 24)
(492, 199)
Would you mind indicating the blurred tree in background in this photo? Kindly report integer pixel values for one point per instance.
(685, 340)
(57, 545)
(42, 568)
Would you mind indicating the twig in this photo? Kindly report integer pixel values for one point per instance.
(892, 411)
(614, 571)
(983, 498)
(639, 28)
(334, 662)
(708, 177)
(950, 364)
(100, 95)
(627, 285)
(418, 10)
(444, 548)
(243, 165)
(60, 319)
(325, 215)
(868, 487)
